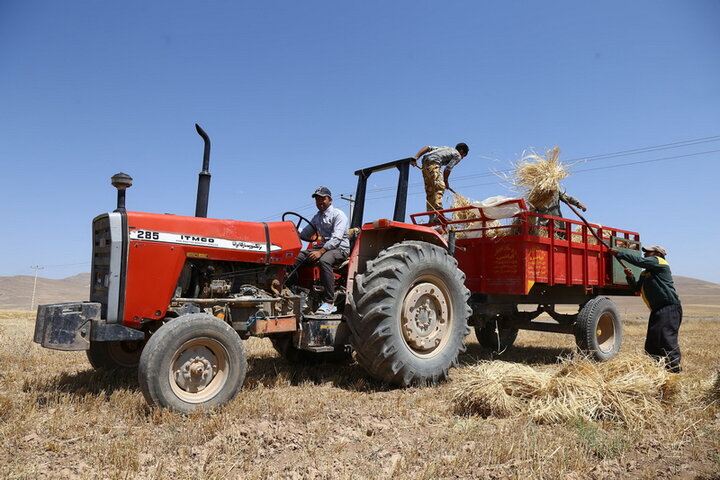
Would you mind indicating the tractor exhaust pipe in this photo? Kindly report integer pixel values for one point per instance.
(203, 191)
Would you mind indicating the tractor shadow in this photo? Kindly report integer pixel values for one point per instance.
(95, 383)
(271, 372)
(276, 371)
(527, 355)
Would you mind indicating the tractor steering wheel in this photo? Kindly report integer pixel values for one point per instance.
(300, 220)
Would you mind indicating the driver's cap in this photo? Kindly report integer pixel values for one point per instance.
(322, 192)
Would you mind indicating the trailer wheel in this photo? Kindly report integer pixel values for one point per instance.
(598, 329)
(494, 338)
(123, 355)
(409, 315)
(193, 361)
(283, 344)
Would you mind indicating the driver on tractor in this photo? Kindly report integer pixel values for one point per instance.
(328, 230)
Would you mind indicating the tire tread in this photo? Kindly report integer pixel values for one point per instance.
(373, 303)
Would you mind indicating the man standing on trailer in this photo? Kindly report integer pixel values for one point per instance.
(331, 225)
(553, 209)
(658, 291)
(433, 158)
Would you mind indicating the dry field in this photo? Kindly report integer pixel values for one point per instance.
(60, 419)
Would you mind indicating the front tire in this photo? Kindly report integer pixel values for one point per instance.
(410, 314)
(598, 329)
(121, 355)
(193, 361)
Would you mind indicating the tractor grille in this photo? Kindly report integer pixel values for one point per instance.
(100, 273)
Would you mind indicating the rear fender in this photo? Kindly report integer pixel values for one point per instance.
(372, 240)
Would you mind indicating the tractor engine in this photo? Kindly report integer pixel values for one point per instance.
(241, 293)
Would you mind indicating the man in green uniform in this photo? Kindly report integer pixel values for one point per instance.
(658, 291)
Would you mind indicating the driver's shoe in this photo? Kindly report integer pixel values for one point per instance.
(326, 309)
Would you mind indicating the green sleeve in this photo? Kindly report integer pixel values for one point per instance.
(634, 284)
(637, 260)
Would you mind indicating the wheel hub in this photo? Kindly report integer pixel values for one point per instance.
(195, 369)
(605, 333)
(425, 317)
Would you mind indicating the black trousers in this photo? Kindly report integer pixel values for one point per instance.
(325, 263)
(662, 335)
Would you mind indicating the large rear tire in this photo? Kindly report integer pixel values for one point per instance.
(409, 315)
(193, 361)
(124, 355)
(598, 329)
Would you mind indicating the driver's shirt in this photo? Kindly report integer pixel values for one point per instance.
(332, 225)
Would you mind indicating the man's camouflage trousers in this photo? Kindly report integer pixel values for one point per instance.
(434, 186)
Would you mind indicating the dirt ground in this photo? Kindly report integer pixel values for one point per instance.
(61, 419)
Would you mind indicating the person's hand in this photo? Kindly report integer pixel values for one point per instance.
(413, 162)
(613, 251)
(583, 207)
(629, 272)
(315, 255)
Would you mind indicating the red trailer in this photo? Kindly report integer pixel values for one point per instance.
(523, 258)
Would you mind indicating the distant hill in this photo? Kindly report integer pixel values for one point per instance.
(16, 292)
(700, 298)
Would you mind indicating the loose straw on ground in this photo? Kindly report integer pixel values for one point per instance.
(630, 389)
(714, 392)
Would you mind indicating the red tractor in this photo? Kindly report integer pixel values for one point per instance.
(174, 296)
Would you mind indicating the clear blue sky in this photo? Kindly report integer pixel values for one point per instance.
(300, 94)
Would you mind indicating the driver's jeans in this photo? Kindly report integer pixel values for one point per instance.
(325, 263)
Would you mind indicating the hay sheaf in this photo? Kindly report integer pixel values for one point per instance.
(580, 232)
(539, 177)
(497, 388)
(714, 392)
(460, 202)
(490, 226)
(631, 390)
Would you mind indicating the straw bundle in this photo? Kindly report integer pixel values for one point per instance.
(629, 389)
(539, 177)
(498, 388)
(515, 227)
(714, 393)
(578, 238)
(460, 202)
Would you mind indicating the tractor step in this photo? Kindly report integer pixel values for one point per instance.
(323, 333)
